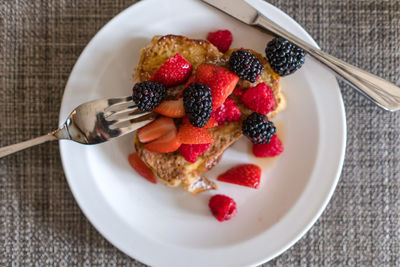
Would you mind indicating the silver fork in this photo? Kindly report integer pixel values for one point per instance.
(93, 122)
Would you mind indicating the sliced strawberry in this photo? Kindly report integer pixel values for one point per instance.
(210, 124)
(191, 152)
(156, 129)
(245, 174)
(191, 80)
(271, 149)
(141, 168)
(221, 39)
(176, 70)
(171, 108)
(220, 80)
(188, 134)
(164, 144)
(259, 99)
(228, 112)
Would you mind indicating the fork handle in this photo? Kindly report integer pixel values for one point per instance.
(383, 93)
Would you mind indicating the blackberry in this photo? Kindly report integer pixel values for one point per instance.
(148, 95)
(258, 128)
(284, 57)
(197, 101)
(245, 65)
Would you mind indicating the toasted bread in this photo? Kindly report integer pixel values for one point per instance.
(171, 168)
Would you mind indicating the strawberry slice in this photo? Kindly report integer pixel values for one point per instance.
(188, 134)
(156, 129)
(245, 174)
(141, 168)
(176, 70)
(166, 143)
(171, 108)
(220, 80)
(210, 124)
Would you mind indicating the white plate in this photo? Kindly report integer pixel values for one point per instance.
(161, 226)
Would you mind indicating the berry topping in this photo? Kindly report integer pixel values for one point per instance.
(284, 57)
(141, 168)
(197, 102)
(222, 207)
(191, 152)
(188, 134)
(245, 174)
(238, 91)
(245, 65)
(176, 70)
(171, 108)
(148, 95)
(228, 112)
(272, 149)
(258, 128)
(220, 80)
(259, 99)
(156, 129)
(222, 39)
(166, 143)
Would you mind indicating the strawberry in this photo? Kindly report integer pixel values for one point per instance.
(156, 129)
(141, 168)
(238, 91)
(220, 80)
(222, 207)
(171, 108)
(228, 112)
(259, 99)
(176, 70)
(188, 134)
(210, 124)
(191, 80)
(166, 143)
(271, 149)
(222, 39)
(191, 152)
(245, 174)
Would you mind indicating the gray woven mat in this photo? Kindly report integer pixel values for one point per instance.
(40, 223)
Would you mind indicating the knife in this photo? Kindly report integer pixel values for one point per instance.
(381, 92)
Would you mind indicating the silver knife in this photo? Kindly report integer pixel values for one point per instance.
(383, 93)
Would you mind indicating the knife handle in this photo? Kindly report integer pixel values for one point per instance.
(383, 93)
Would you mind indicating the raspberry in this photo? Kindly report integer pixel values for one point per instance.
(259, 99)
(228, 112)
(222, 39)
(238, 92)
(191, 152)
(245, 65)
(258, 128)
(272, 149)
(148, 95)
(197, 101)
(222, 207)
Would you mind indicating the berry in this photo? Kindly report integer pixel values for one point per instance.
(222, 207)
(211, 123)
(246, 175)
(197, 102)
(220, 80)
(284, 57)
(272, 149)
(228, 112)
(148, 95)
(155, 129)
(188, 134)
(141, 168)
(258, 128)
(245, 65)
(166, 143)
(222, 39)
(171, 108)
(191, 152)
(238, 92)
(259, 99)
(176, 70)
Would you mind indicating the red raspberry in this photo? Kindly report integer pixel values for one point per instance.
(222, 39)
(222, 207)
(228, 112)
(259, 99)
(271, 149)
(238, 92)
(191, 152)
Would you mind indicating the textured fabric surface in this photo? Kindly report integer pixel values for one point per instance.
(40, 223)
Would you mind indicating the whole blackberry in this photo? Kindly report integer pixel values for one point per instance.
(258, 128)
(197, 101)
(148, 95)
(284, 57)
(245, 65)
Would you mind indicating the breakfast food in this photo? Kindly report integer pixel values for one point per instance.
(222, 207)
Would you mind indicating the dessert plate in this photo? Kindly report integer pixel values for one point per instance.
(163, 226)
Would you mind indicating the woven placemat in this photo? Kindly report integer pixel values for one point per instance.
(40, 223)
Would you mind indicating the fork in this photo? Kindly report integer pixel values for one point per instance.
(92, 123)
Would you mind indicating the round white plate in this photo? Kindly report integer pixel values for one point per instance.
(164, 226)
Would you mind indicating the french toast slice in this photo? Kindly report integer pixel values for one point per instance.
(171, 168)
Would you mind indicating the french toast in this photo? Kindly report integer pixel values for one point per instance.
(171, 168)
